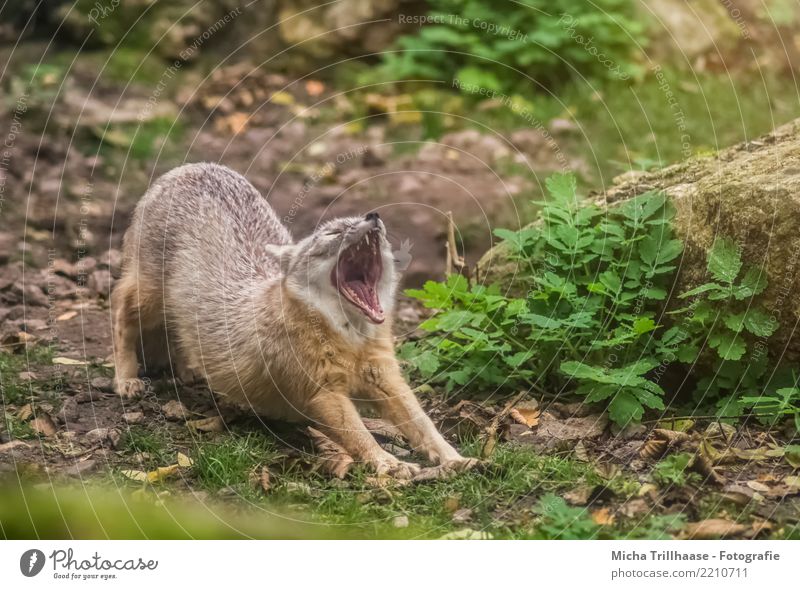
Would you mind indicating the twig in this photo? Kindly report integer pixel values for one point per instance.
(455, 263)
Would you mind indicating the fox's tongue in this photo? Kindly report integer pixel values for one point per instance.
(366, 298)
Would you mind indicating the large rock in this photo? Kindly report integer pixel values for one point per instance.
(750, 193)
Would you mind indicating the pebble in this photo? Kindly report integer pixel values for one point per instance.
(133, 417)
(101, 435)
(80, 468)
(102, 383)
(174, 410)
(400, 521)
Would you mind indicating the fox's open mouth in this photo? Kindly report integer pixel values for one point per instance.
(357, 273)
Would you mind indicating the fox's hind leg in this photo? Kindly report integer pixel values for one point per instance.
(134, 311)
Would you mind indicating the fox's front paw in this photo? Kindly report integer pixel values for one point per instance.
(448, 469)
(460, 464)
(397, 469)
(129, 388)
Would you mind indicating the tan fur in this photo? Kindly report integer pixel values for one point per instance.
(255, 314)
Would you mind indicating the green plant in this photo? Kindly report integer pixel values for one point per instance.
(672, 470)
(726, 305)
(559, 521)
(496, 46)
(597, 281)
(726, 317)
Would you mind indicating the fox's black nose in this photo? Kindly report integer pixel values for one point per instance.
(373, 217)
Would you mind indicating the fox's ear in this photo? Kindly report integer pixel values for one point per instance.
(284, 253)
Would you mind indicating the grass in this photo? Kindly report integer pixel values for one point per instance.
(15, 391)
(229, 462)
(151, 446)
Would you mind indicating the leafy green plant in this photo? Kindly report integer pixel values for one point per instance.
(672, 470)
(597, 281)
(484, 43)
(724, 315)
(590, 317)
(559, 521)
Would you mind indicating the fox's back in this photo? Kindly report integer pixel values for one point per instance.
(210, 216)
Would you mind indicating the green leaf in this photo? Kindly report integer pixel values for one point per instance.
(729, 346)
(655, 293)
(540, 321)
(518, 240)
(518, 359)
(734, 321)
(643, 325)
(562, 187)
(625, 408)
(753, 283)
(724, 260)
(611, 281)
(760, 323)
(709, 286)
(687, 353)
(426, 362)
(642, 366)
(654, 250)
(578, 369)
(452, 320)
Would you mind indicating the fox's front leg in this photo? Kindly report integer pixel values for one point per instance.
(337, 417)
(385, 386)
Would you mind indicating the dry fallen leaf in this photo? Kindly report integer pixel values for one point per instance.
(184, 461)
(162, 472)
(381, 427)
(333, 458)
(607, 470)
(671, 436)
(793, 482)
(653, 449)
(264, 480)
(281, 97)
(757, 454)
(760, 487)
(135, 475)
(579, 495)
(208, 425)
(706, 468)
(232, 124)
(67, 316)
(25, 412)
(710, 529)
(44, 425)
(314, 87)
(69, 361)
(580, 452)
(603, 517)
